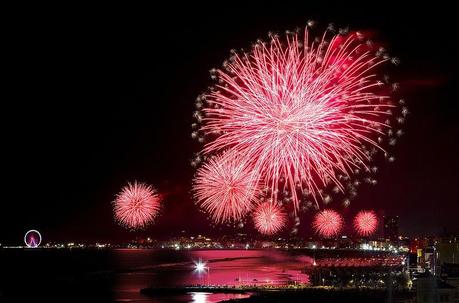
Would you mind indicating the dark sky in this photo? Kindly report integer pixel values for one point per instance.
(96, 97)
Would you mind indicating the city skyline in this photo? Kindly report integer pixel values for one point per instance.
(113, 114)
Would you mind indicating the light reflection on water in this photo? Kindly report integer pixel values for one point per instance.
(156, 268)
(204, 297)
(194, 297)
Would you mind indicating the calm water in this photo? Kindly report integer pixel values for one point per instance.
(118, 275)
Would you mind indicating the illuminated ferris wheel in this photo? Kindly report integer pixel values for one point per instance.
(32, 238)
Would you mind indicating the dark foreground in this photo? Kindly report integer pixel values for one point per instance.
(92, 275)
(314, 295)
(324, 296)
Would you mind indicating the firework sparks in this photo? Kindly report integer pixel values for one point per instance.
(305, 113)
(136, 205)
(269, 218)
(328, 223)
(225, 187)
(365, 223)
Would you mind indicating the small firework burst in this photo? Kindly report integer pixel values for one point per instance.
(269, 218)
(365, 223)
(225, 187)
(327, 223)
(136, 206)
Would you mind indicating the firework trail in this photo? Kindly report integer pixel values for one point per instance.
(269, 218)
(365, 223)
(307, 113)
(327, 223)
(136, 205)
(225, 187)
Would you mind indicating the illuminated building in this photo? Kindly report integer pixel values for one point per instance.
(391, 228)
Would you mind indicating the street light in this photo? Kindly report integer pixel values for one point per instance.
(200, 266)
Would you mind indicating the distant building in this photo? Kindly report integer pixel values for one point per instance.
(448, 250)
(391, 228)
(430, 260)
(417, 244)
(429, 289)
(448, 259)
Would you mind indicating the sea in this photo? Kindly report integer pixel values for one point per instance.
(118, 275)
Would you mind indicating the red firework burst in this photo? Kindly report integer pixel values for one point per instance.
(305, 113)
(365, 223)
(225, 187)
(136, 205)
(269, 218)
(328, 223)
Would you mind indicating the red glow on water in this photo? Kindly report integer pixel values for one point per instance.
(223, 268)
(250, 268)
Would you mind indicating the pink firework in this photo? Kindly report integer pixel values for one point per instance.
(328, 223)
(269, 218)
(225, 187)
(305, 113)
(365, 223)
(136, 205)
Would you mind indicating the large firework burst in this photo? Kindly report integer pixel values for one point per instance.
(307, 113)
(327, 223)
(225, 187)
(136, 205)
(365, 223)
(269, 218)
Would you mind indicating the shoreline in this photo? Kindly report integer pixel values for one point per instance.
(260, 294)
(161, 291)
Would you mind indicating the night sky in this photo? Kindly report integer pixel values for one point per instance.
(96, 97)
